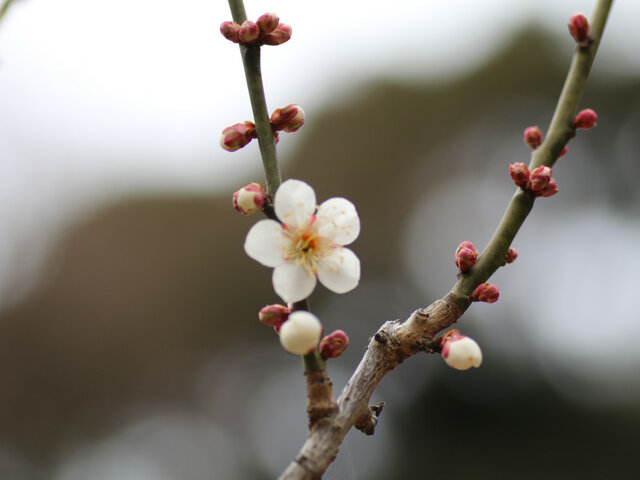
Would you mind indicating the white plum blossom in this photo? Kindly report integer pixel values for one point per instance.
(308, 244)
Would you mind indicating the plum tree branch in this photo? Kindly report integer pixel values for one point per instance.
(395, 341)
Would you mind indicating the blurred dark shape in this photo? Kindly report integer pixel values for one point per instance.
(138, 297)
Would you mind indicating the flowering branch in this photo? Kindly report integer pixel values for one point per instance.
(305, 243)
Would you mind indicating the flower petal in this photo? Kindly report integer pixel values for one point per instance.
(340, 270)
(293, 282)
(295, 203)
(337, 220)
(265, 243)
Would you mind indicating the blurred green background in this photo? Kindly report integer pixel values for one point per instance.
(132, 349)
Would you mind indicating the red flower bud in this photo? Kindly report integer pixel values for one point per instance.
(267, 22)
(585, 119)
(532, 137)
(280, 35)
(466, 256)
(289, 118)
(237, 136)
(334, 344)
(249, 32)
(519, 173)
(539, 178)
(512, 254)
(579, 29)
(486, 292)
(548, 191)
(273, 315)
(230, 31)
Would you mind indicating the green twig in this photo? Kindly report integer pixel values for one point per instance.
(559, 133)
(4, 8)
(266, 139)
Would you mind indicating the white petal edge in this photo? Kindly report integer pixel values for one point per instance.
(340, 270)
(337, 220)
(265, 243)
(292, 282)
(294, 203)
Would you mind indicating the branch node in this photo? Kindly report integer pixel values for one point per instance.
(368, 421)
(320, 401)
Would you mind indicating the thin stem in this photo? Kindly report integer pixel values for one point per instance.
(253, 74)
(559, 133)
(5, 8)
(560, 130)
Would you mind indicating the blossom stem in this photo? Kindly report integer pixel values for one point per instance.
(253, 74)
(559, 133)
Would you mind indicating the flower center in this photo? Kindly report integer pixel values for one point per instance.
(306, 247)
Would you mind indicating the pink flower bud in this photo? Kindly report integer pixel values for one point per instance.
(273, 315)
(533, 137)
(334, 344)
(249, 199)
(237, 136)
(548, 191)
(289, 118)
(280, 35)
(267, 22)
(461, 352)
(579, 29)
(466, 256)
(512, 254)
(230, 31)
(585, 119)
(519, 173)
(486, 292)
(539, 178)
(249, 32)
(564, 151)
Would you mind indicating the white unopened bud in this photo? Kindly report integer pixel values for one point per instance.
(461, 352)
(249, 199)
(301, 333)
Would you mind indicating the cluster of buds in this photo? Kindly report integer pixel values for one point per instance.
(466, 256)
(287, 119)
(267, 30)
(539, 182)
(250, 198)
(459, 351)
(585, 119)
(334, 344)
(579, 29)
(485, 292)
(532, 137)
(300, 331)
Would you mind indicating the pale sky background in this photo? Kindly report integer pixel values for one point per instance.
(102, 98)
